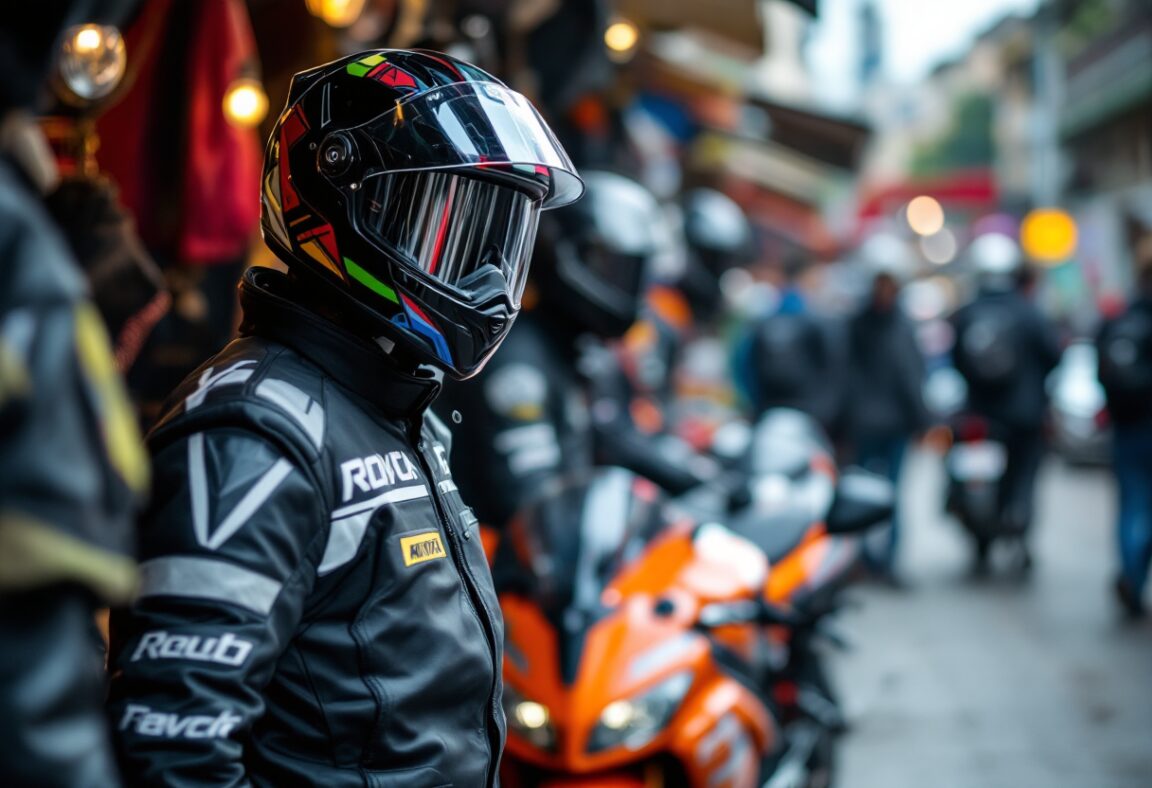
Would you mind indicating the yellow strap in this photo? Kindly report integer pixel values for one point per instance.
(34, 554)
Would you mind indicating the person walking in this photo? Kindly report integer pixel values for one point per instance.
(1124, 351)
(884, 406)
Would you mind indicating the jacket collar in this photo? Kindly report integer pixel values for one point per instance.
(357, 364)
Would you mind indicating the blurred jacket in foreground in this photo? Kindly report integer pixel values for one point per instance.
(71, 464)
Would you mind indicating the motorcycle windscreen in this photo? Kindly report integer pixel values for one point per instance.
(460, 230)
(573, 540)
(471, 124)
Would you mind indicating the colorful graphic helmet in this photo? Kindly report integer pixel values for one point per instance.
(413, 182)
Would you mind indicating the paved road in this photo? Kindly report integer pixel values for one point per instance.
(996, 684)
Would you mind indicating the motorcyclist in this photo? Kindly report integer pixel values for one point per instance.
(72, 469)
(551, 402)
(315, 605)
(1004, 349)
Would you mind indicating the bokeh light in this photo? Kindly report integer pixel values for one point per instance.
(925, 215)
(92, 62)
(337, 13)
(1049, 235)
(621, 37)
(245, 103)
(939, 248)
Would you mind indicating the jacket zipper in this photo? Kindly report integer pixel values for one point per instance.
(475, 602)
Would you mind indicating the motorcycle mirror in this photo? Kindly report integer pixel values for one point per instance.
(863, 499)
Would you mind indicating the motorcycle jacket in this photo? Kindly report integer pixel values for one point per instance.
(542, 408)
(72, 470)
(315, 606)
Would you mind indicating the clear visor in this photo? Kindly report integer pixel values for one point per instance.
(473, 235)
(474, 124)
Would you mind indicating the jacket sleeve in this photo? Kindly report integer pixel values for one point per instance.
(228, 554)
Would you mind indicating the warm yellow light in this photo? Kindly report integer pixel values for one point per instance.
(621, 36)
(925, 215)
(245, 103)
(1048, 235)
(531, 715)
(337, 13)
(87, 39)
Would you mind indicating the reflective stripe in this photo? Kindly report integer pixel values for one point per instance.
(208, 578)
(350, 523)
(344, 541)
(447, 486)
(410, 493)
(307, 412)
(237, 373)
(256, 497)
(252, 500)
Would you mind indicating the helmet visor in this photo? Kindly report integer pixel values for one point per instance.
(473, 235)
(474, 124)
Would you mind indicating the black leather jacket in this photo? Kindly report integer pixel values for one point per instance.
(315, 606)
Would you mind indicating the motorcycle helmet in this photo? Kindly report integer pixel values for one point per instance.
(410, 183)
(716, 229)
(997, 260)
(594, 256)
(719, 237)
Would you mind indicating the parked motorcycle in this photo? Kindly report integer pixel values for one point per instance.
(648, 648)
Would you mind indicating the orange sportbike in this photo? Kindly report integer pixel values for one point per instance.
(647, 647)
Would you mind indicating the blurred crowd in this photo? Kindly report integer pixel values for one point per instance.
(693, 287)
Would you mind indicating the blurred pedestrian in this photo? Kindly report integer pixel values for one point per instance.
(790, 355)
(1124, 347)
(1005, 348)
(72, 469)
(883, 405)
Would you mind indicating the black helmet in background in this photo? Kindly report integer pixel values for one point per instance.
(410, 184)
(719, 237)
(593, 258)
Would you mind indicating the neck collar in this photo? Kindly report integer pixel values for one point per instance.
(358, 364)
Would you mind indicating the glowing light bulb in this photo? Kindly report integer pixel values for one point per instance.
(621, 37)
(337, 13)
(88, 38)
(245, 103)
(92, 62)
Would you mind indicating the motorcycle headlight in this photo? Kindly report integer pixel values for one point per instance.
(636, 721)
(530, 720)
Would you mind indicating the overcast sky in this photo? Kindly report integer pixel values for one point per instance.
(917, 35)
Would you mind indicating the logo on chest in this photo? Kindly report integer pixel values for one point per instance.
(375, 472)
(421, 547)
